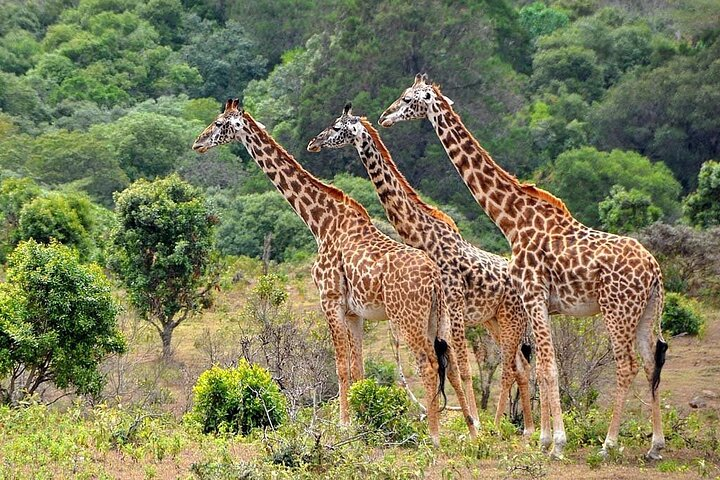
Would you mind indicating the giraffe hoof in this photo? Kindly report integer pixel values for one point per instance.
(557, 454)
(653, 455)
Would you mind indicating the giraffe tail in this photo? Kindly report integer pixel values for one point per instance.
(660, 345)
(441, 350)
(441, 346)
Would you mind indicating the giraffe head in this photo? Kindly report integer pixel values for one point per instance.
(343, 131)
(224, 129)
(412, 104)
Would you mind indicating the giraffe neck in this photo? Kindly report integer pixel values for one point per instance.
(317, 203)
(411, 217)
(511, 205)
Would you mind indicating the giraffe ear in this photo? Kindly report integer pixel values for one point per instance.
(450, 102)
(261, 125)
(348, 109)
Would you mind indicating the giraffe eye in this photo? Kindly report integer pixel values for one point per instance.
(407, 99)
(218, 123)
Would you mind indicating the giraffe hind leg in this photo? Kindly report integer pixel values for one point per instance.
(652, 350)
(617, 323)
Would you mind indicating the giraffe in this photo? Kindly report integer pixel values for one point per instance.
(477, 284)
(359, 272)
(559, 265)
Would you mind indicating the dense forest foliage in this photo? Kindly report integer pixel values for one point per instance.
(602, 102)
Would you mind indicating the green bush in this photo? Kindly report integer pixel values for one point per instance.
(680, 315)
(236, 400)
(585, 428)
(382, 410)
(383, 371)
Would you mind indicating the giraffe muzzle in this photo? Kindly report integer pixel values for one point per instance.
(314, 145)
(385, 121)
(199, 147)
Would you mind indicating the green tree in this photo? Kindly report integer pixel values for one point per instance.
(59, 157)
(248, 219)
(18, 50)
(14, 194)
(703, 206)
(585, 176)
(626, 211)
(147, 145)
(64, 217)
(573, 69)
(163, 251)
(539, 19)
(57, 322)
(226, 58)
(666, 113)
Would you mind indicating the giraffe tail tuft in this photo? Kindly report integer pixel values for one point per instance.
(441, 350)
(526, 350)
(660, 349)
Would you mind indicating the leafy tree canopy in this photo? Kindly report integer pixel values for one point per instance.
(703, 206)
(584, 177)
(57, 321)
(163, 245)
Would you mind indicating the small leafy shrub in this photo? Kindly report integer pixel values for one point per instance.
(383, 411)
(672, 466)
(236, 400)
(585, 428)
(525, 465)
(384, 371)
(680, 315)
(219, 470)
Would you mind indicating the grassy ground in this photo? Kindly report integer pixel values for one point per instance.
(143, 436)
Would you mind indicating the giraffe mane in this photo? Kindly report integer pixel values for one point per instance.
(409, 190)
(529, 188)
(331, 190)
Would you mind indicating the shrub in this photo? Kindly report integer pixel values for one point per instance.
(680, 315)
(289, 345)
(236, 400)
(383, 371)
(690, 258)
(585, 428)
(382, 410)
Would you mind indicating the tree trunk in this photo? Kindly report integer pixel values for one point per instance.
(166, 337)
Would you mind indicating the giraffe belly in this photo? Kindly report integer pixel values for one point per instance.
(573, 307)
(368, 312)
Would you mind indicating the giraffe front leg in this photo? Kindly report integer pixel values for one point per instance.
(334, 312)
(547, 374)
